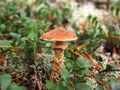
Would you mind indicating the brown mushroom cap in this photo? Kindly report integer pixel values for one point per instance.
(59, 34)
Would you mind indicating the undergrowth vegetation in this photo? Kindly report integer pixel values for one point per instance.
(92, 62)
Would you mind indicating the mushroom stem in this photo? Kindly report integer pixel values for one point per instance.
(58, 48)
(57, 63)
(59, 42)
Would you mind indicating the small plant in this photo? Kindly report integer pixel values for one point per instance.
(7, 84)
(73, 76)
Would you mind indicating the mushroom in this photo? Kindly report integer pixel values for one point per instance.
(59, 35)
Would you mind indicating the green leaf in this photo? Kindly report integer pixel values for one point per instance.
(82, 72)
(15, 35)
(94, 19)
(67, 53)
(5, 80)
(22, 88)
(99, 87)
(57, 88)
(51, 85)
(32, 35)
(115, 85)
(63, 83)
(14, 86)
(83, 63)
(111, 66)
(23, 39)
(5, 42)
(64, 73)
(117, 11)
(112, 8)
(69, 66)
(87, 41)
(89, 17)
(2, 27)
(70, 88)
(48, 50)
(82, 86)
(41, 31)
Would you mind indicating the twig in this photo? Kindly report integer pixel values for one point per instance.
(111, 70)
(88, 57)
(101, 82)
(95, 63)
(1, 46)
(38, 83)
(16, 78)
